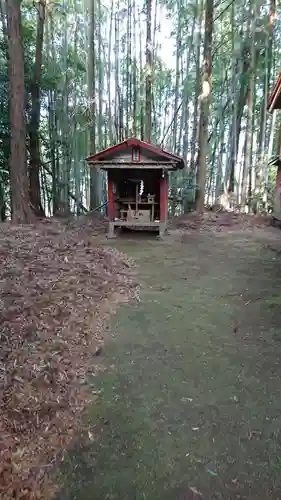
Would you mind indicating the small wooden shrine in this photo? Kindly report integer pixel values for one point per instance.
(137, 181)
(274, 103)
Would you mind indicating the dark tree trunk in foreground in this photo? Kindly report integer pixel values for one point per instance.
(21, 212)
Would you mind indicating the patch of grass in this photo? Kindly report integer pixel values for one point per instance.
(185, 401)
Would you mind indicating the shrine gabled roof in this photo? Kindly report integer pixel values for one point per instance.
(274, 100)
(115, 150)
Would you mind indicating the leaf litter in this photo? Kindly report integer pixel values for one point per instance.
(219, 221)
(57, 288)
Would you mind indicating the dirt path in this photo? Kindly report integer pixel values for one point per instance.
(191, 400)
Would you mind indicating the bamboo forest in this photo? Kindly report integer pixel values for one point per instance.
(140, 292)
(190, 76)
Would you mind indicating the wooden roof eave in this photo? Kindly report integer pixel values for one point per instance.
(271, 106)
(133, 142)
(275, 162)
(274, 96)
(108, 165)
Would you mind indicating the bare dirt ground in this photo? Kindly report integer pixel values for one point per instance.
(189, 406)
(181, 402)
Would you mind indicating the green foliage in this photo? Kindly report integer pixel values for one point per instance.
(66, 110)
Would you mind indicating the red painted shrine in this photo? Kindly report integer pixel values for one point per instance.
(137, 180)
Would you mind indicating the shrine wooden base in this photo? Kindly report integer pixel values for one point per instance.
(161, 226)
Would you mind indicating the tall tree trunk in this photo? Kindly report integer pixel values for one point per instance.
(247, 149)
(34, 166)
(117, 88)
(247, 170)
(148, 71)
(127, 86)
(186, 90)
(141, 91)
(63, 117)
(218, 185)
(100, 83)
(204, 107)
(177, 83)
(262, 156)
(233, 139)
(52, 122)
(21, 212)
(271, 24)
(111, 140)
(94, 174)
(134, 70)
(235, 129)
(194, 134)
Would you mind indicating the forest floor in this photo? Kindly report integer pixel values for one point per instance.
(178, 397)
(57, 288)
(189, 406)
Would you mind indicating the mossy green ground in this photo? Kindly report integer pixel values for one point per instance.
(191, 399)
